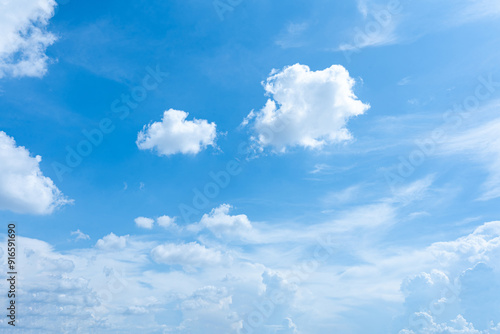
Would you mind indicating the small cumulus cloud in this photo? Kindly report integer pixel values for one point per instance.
(167, 222)
(175, 134)
(144, 222)
(221, 223)
(112, 242)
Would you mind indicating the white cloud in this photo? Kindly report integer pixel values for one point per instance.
(208, 305)
(144, 222)
(54, 300)
(475, 247)
(24, 38)
(363, 7)
(472, 10)
(412, 191)
(384, 36)
(167, 222)
(80, 235)
(288, 280)
(389, 22)
(320, 168)
(344, 196)
(174, 134)
(377, 28)
(307, 108)
(163, 221)
(112, 242)
(459, 325)
(23, 187)
(220, 223)
(207, 297)
(483, 144)
(462, 297)
(191, 254)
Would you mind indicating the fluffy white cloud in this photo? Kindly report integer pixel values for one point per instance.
(112, 242)
(23, 187)
(174, 134)
(462, 297)
(307, 108)
(24, 38)
(191, 254)
(144, 222)
(167, 222)
(220, 223)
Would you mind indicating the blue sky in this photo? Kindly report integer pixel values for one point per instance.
(354, 146)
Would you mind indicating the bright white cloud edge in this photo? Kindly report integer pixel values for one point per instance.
(23, 187)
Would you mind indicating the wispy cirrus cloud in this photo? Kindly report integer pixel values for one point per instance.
(395, 21)
(482, 143)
